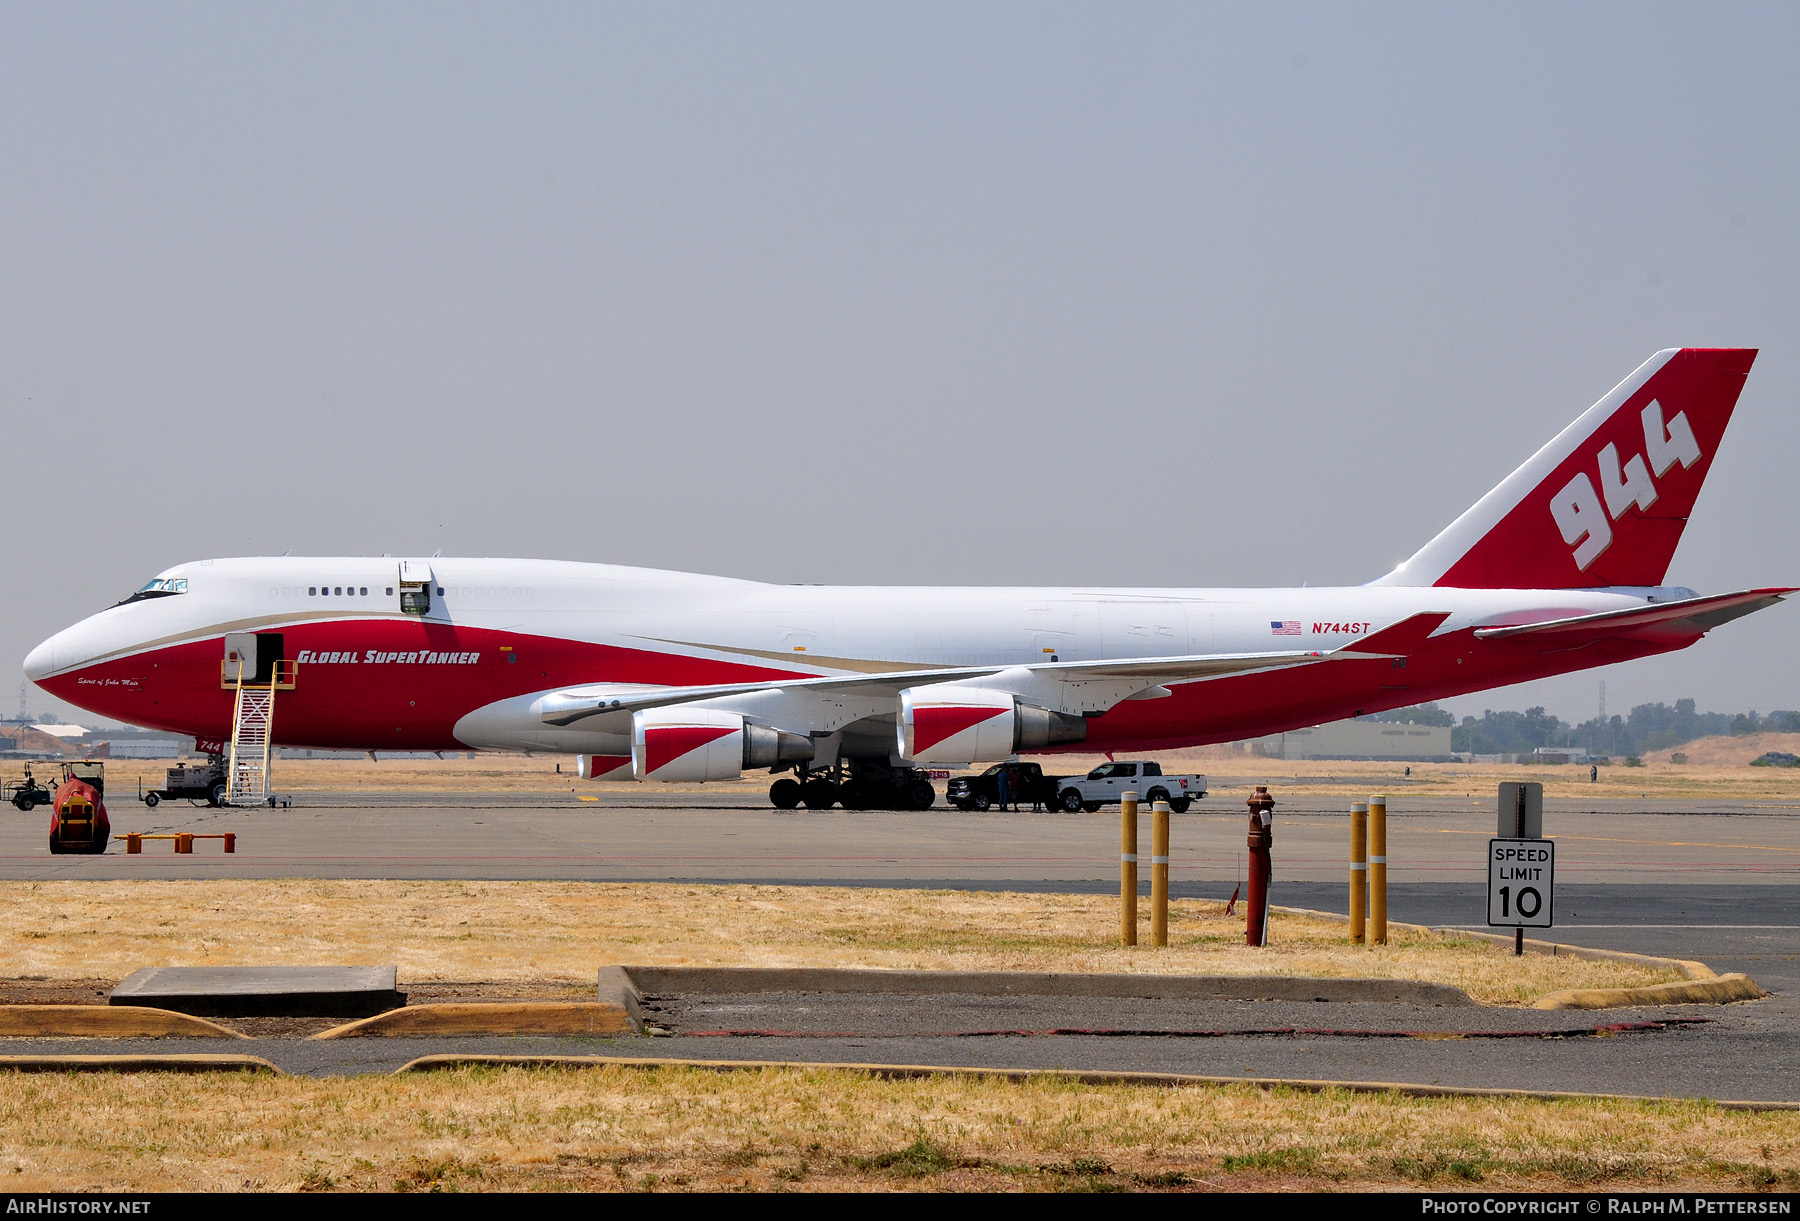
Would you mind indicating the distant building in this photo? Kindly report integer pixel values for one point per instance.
(145, 748)
(1374, 741)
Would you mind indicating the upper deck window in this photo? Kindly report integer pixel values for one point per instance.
(160, 587)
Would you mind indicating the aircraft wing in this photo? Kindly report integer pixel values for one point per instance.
(1689, 617)
(1131, 674)
(575, 704)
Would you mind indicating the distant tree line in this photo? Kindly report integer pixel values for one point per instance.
(1648, 727)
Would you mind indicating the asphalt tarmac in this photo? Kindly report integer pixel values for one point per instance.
(636, 833)
(1717, 882)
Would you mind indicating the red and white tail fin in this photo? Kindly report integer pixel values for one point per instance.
(1604, 503)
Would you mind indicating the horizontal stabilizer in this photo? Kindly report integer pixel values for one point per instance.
(1402, 638)
(1689, 617)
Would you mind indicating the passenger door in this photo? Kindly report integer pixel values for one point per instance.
(415, 587)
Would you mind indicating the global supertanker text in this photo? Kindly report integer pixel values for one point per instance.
(372, 657)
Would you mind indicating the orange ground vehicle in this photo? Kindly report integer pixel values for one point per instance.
(78, 810)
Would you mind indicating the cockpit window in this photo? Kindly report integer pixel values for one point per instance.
(160, 587)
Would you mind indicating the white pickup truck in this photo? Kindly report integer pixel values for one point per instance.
(1107, 784)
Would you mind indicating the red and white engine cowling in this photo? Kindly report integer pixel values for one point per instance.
(950, 724)
(604, 767)
(699, 744)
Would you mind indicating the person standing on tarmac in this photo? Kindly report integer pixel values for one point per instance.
(1003, 782)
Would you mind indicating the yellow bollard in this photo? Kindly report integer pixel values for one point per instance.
(1159, 873)
(1128, 876)
(1378, 870)
(1359, 871)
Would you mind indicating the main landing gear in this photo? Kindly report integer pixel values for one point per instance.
(856, 784)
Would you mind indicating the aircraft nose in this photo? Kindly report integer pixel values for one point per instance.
(41, 661)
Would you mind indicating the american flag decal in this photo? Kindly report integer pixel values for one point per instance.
(1284, 627)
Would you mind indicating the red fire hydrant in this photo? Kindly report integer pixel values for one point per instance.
(1262, 835)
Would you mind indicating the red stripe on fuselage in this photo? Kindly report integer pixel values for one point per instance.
(1274, 701)
(409, 697)
(414, 706)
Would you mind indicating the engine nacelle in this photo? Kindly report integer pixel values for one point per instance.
(699, 744)
(948, 724)
(604, 767)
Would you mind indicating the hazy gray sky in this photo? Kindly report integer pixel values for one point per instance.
(855, 293)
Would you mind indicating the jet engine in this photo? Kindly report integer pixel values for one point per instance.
(604, 767)
(689, 744)
(946, 724)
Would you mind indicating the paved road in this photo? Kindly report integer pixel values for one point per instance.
(1718, 882)
(704, 837)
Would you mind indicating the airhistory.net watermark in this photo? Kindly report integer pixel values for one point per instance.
(63, 1206)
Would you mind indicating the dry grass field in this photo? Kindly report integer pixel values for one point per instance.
(611, 1128)
(1716, 768)
(542, 931)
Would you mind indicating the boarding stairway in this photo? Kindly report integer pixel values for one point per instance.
(253, 716)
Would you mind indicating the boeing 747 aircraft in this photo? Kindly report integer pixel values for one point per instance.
(670, 676)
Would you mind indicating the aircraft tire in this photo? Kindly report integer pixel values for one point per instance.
(921, 795)
(818, 794)
(784, 794)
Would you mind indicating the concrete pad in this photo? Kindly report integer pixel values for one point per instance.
(99, 1021)
(263, 991)
(492, 1018)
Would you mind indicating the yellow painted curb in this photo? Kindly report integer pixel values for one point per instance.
(137, 1064)
(489, 1018)
(1719, 990)
(438, 1063)
(105, 1022)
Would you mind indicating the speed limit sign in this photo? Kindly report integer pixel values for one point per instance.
(1521, 882)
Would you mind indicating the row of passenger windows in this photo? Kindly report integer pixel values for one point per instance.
(346, 591)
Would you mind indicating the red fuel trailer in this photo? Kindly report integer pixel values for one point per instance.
(78, 812)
